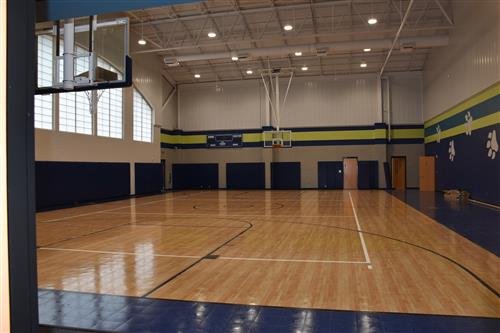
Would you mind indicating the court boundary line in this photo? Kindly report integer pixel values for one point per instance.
(200, 257)
(117, 253)
(238, 215)
(360, 234)
(111, 209)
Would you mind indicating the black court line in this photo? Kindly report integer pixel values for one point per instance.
(208, 255)
(80, 236)
(462, 267)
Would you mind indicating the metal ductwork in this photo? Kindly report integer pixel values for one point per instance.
(348, 46)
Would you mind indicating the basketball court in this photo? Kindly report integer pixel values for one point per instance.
(250, 166)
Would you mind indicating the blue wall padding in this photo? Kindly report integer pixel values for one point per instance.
(367, 175)
(69, 183)
(245, 175)
(330, 175)
(471, 169)
(195, 176)
(148, 178)
(285, 175)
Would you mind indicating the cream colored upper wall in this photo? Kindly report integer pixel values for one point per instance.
(470, 63)
(59, 146)
(237, 104)
(406, 98)
(312, 102)
(331, 101)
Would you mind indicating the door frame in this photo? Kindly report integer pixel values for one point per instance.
(343, 169)
(406, 170)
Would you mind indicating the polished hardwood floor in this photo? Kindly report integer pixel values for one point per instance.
(347, 250)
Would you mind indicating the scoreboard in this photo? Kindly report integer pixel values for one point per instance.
(233, 140)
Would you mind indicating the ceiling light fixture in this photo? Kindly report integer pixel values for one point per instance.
(288, 27)
(234, 58)
(304, 68)
(298, 54)
(142, 41)
(212, 34)
(197, 76)
(363, 65)
(249, 72)
(367, 50)
(372, 20)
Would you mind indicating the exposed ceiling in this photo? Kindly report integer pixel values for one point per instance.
(330, 34)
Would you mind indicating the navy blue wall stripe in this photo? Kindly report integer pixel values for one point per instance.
(480, 110)
(69, 183)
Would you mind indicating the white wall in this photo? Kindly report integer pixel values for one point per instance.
(331, 101)
(59, 146)
(471, 61)
(406, 98)
(237, 106)
(312, 102)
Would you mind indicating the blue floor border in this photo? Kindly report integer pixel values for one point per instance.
(479, 224)
(109, 313)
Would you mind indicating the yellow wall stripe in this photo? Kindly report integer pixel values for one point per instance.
(370, 134)
(486, 121)
(482, 96)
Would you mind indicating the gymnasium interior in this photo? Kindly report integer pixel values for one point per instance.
(252, 166)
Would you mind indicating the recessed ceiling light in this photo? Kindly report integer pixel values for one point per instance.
(142, 41)
(212, 34)
(197, 76)
(304, 68)
(367, 50)
(363, 64)
(287, 27)
(298, 53)
(372, 20)
(249, 72)
(234, 58)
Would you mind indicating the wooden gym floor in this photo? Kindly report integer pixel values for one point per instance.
(344, 250)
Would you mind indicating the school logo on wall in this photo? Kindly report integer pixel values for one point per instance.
(492, 144)
(451, 150)
(438, 133)
(468, 123)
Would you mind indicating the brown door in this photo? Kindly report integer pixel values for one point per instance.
(350, 173)
(427, 178)
(399, 173)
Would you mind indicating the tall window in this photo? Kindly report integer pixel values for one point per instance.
(75, 115)
(109, 113)
(143, 119)
(75, 109)
(110, 107)
(43, 103)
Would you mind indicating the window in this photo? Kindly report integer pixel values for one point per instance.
(143, 119)
(110, 107)
(43, 103)
(75, 115)
(109, 113)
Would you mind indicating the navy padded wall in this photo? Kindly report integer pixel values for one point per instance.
(148, 178)
(471, 169)
(367, 175)
(69, 183)
(329, 176)
(285, 175)
(195, 176)
(246, 175)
